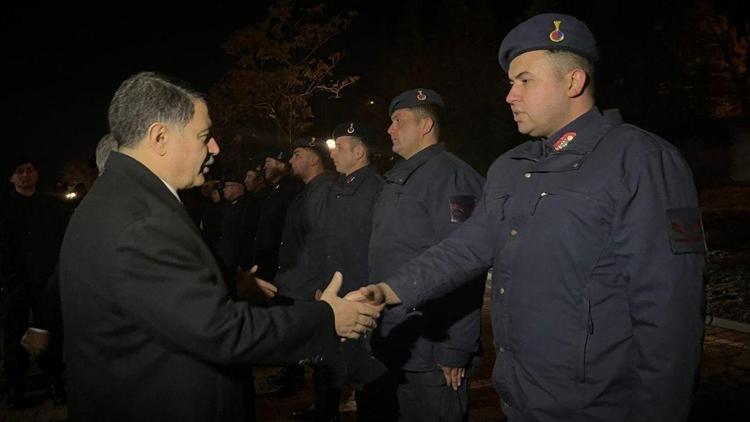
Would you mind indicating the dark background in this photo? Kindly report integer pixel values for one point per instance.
(62, 66)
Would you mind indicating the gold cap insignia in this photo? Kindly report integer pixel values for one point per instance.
(556, 35)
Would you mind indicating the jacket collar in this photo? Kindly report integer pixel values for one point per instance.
(133, 170)
(403, 169)
(350, 184)
(589, 128)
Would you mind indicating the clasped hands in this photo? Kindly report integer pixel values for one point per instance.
(354, 314)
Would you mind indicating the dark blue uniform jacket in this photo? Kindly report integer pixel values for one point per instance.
(348, 227)
(597, 301)
(425, 198)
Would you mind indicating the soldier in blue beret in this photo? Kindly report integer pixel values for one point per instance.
(282, 189)
(595, 238)
(354, 129)
(316, 145)
(348, 224)
(415, 97)
(427, 195)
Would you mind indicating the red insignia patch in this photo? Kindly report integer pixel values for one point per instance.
(563, 141)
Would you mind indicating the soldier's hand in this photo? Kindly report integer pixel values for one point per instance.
(375, 294)
(453, 376)
(35, 341)
(352, 318)
(252, 288)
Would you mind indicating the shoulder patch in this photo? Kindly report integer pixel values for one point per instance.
(461, 207)
(686, 230)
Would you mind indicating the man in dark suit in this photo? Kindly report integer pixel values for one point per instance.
(151, 332)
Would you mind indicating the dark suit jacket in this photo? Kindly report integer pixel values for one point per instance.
(151, 333)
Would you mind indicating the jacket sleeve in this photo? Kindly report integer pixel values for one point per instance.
(456, 260)
(665, 282)
(454, 319)
(171, 289)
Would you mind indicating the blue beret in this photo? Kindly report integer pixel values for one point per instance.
(356, 129)
(548, 31)
(415, 97)
(315, 144)
(278, 154)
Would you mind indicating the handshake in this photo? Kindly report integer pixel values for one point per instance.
(354, 314)
(357, 312)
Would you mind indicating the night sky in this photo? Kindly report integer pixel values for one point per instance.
(62, 68)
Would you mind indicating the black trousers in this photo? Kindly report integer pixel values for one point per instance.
(425, 396)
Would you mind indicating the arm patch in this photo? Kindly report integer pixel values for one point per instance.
(686, 230)
(461, 207)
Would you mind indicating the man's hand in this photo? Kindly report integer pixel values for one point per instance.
(252, 288)
(352, 318)
(35, 341)
(374, 294)
(453, 376)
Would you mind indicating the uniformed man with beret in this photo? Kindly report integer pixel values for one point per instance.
(300, 257)
(426, 196)
(299, 266)
(347, 236)
(595, 238)
(282, 189)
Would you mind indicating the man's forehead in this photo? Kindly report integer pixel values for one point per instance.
(26, 166)
(402, 112)
(528, 62)
(346, 139)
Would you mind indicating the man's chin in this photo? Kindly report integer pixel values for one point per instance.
(198, 180)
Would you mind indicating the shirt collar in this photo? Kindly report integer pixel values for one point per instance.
(171, 189)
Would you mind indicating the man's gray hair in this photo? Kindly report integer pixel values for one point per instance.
(106, 145)
(147, 98)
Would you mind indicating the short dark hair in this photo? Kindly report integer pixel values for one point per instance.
(432, 111)
(564, 61)
(146, 98)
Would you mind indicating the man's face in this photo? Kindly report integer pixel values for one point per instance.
(301, 161)
(233, 190)
(194, 149)
(273, 169)
(405, 132)
(207, 187)
(538, 96)
(24, 177)
(343, 155)
(252, 180)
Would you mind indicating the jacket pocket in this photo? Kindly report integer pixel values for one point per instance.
(565, 196)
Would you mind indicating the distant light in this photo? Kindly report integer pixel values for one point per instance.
(371, 102)
(330, 143)
(71, 195)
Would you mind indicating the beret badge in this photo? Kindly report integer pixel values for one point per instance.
(556, 35)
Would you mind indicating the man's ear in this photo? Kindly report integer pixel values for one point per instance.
(359, 150)
(426, 125)
(157, 138)
(577, 81)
